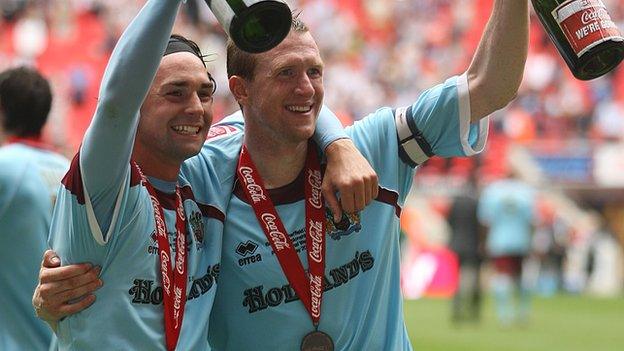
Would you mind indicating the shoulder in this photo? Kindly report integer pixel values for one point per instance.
(223, 143)
(221, 131)
(11, 152)
(13, 161)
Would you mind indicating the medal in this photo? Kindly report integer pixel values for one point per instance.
(308, 286)
(317, 341)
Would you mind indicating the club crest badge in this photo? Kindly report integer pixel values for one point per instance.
(349, 223)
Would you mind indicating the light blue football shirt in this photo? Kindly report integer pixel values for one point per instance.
(29, 180)
(256, 309)
(507, 207)
(128, 314)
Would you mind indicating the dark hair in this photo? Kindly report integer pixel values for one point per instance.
(243, 64)
(189, 44)
(25, 101)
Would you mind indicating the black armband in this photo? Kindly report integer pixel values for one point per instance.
(413, 148)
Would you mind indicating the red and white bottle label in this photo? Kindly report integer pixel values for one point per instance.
(586, 23)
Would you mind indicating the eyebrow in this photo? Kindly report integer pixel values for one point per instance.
(278, 66)
(184, 84)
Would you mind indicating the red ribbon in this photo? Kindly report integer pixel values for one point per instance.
(310, 289)
(173, 280)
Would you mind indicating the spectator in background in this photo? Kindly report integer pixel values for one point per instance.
(467, 242)
(549, 242)
(507, 208)
(29, 177)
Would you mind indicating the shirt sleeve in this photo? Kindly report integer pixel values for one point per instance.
(375, 137)
(438, 123)
(395, 141)
(328, 128)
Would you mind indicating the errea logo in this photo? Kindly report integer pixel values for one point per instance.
(247, 251)
(247, 248)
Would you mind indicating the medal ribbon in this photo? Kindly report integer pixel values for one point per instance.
(173, 299)
(310, 289)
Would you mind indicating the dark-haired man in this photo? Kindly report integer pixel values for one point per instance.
(126, 207)
(30, 173)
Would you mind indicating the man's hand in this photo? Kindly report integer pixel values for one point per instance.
(63, 291)
(349, 174)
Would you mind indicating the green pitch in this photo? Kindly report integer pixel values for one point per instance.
(563, 323)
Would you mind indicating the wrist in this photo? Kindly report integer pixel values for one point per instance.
(338, 147)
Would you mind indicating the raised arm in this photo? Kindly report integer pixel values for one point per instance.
(496, 69)
(107, 146)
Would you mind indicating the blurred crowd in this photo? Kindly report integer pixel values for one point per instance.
(377, 52)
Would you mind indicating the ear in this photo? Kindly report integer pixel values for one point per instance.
(238, 88)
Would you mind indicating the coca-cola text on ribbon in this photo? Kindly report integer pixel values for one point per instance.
(177, 305)
(277, 237)
(314, 179)
(255, 191)
(180, 252)
(316, 237)
(316, 290)
(164, 267)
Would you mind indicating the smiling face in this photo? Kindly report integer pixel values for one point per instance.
(283, 98)
(176, 113)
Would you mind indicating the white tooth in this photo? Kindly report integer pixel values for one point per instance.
(299, 108)
(186, 129)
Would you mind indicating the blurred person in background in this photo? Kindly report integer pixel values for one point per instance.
(605, 262)
(548, 245)
(30, 174)
(467, 236)
(507, 209)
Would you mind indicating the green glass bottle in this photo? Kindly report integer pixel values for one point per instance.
(254, 25)
(583, 32)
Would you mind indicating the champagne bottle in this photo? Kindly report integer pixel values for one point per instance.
(584, 34)
(254, 25)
